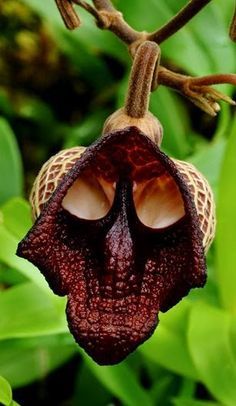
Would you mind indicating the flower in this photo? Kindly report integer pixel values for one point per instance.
(121, 237)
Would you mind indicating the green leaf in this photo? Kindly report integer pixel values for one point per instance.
(15, 222)
(16, 216)
(165, 105)
(182, 48)
(215, 43)
(8, 248)
(225, 240)
(86, 380)
(211, 350)
(23, 364)
(26, 311)
(168, 345)
(121, 382)
(10, 164)
(88, 131)
(209, 161)
(192, 402)
(81, 46)
(5, 392)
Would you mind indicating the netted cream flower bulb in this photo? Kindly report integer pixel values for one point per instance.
(50, 176)
(203, 199)
(57, 166)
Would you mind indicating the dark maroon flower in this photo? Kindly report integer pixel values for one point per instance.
(120, 236)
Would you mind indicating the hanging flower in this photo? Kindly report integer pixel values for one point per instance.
(122, 235)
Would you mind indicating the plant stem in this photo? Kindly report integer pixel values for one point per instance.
(104, 5)
(144, 67)
(198, 90)
(214, 80)
(68, 14)
(107, 17)
(178, 21)
(232, 31)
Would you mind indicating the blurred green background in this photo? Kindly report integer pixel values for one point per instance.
(56, 89)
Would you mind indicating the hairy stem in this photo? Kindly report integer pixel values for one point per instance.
(173, 79)
(68, 14)
(104, 5)
(107, 17)
(141, 79)
(198, 90)
(232, 31)
(177, 22)
(214, 80)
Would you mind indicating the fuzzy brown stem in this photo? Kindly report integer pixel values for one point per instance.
(142, 75)
(107, 17)
(198, 90)
(104, 5)
(68, 14)
(214, 79)
(232, 31)
(86, 6)
(176, 80)
(180, 20)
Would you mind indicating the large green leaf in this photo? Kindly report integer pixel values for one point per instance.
(210, 30)
(121, 382)
(10, 164)
(83, 44)
(209, 160)
(165, 105)
(24, 363)
(192, 402)
(199, 46)
(209, 339)
(8, 248)
(16, 216)
(5, 392)
(86, 380)
(26, 311)
(168, 345)
(15, 222)
(226, 231)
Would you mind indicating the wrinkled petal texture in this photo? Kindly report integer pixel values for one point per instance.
(116, 270)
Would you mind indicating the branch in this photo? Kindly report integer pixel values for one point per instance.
(107, 17)
(145, 66)
(198, 89)
(232, 30)
(68, 14)
(178, 21)
(104, 5)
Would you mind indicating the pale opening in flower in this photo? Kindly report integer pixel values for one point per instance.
(158, 202)
(89, 197)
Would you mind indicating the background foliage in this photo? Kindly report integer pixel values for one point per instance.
(56, 89)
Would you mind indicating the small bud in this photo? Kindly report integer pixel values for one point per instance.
(149, 124)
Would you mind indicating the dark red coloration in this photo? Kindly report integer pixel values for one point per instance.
(117, 272)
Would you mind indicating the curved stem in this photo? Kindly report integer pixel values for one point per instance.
(142, 75)
(107, 17)
(216, 79)
(180, 20)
